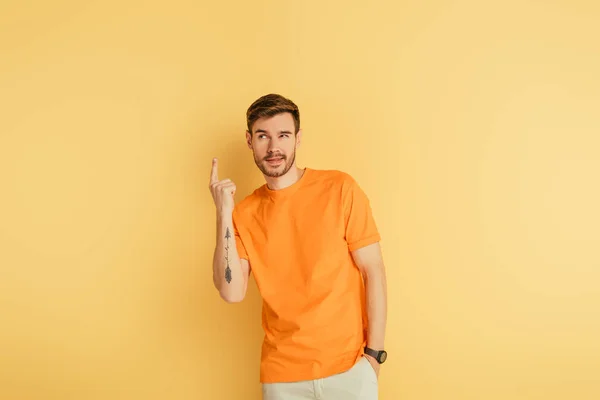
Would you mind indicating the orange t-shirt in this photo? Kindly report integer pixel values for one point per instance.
(298, 241)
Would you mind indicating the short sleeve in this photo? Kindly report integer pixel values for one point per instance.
(241, 249)
(361, 229)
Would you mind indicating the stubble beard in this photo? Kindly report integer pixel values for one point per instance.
(277, 171)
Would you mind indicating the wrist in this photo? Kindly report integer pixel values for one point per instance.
(377, 354)
(224, 215)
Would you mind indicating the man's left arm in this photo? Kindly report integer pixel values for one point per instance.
(370, 263)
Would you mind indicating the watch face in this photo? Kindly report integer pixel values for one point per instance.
(382, 356)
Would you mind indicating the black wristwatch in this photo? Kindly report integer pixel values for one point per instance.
(379, 355)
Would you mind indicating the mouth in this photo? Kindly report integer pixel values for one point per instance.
(274, 161)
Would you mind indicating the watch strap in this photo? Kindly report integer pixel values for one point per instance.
(379, 355)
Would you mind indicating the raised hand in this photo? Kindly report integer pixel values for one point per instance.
(222, 191)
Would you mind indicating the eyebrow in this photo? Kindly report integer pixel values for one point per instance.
(263, 131)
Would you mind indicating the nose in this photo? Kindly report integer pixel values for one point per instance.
(273, 148)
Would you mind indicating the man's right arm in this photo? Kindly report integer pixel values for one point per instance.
(230, 273)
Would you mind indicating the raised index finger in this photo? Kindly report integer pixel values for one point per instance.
(214, 177)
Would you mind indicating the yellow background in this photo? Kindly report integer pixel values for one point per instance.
(472, 125)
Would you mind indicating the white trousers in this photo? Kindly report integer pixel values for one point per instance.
(358, 383)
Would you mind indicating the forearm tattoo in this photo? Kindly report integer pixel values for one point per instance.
(227, 270)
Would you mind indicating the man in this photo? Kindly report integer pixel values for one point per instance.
(309, 238)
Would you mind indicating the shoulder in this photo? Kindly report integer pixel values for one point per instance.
(336, 181)
(247, 204)
(333, 177)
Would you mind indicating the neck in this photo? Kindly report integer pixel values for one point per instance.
(281, 182)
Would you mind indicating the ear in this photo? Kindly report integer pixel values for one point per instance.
(249, 139)
(298, 138)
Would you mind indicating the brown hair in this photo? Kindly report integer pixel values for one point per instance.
(270, 105)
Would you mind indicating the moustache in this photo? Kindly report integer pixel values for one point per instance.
(268, 158)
